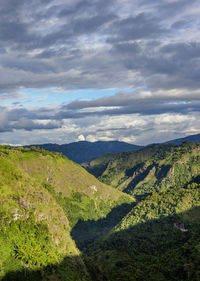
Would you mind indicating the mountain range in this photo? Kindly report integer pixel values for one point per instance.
(84, 151)
(159, 238)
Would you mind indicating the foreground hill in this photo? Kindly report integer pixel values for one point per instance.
(34, 230)
(42, 196)
(84, 151)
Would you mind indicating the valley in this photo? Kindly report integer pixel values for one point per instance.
(135, 218)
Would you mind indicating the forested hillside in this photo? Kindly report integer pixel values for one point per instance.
(159, 239)
(42, 196)
(154, 168)
(58, 222)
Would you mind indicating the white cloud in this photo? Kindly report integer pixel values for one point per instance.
(81, 138)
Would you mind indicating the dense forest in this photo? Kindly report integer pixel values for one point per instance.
(139, 221)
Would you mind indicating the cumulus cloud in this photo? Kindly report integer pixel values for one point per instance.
(81, 138)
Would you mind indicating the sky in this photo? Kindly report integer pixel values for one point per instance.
(126, 70)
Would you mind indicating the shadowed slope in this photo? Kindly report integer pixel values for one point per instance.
(86, 232)
(159, 240)
(160, 249)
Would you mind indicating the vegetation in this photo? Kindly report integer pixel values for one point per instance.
(154, 168)
(34, 231)
(158, 239)
(51, 209)
(42, 196)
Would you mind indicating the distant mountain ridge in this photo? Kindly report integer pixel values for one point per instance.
(84, 151)
(192, 138)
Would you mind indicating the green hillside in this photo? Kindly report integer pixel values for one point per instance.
(154, 168)
(58, 222)
(42, 196)
(34, 229)
(159, 239)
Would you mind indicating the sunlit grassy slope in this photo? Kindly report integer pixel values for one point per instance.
(42, 195)
(34, 230)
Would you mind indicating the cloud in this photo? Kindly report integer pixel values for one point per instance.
(99, 44)
(146, 46)
(144, 102)
(81, 138)
(142, 26)
(3, 121)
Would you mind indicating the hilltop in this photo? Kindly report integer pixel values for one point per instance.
(84, 151)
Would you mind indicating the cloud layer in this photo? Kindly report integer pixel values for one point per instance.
(150, 47)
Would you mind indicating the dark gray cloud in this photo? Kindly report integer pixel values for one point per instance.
(142, 26)
(81, 44)
(30, 125)
(142, 102)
